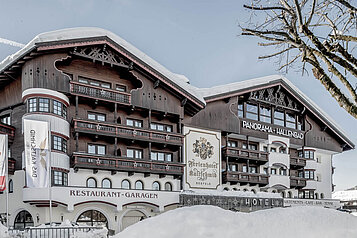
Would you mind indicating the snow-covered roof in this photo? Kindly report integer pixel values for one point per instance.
(90, 32)
(227, 89)
(349, 195)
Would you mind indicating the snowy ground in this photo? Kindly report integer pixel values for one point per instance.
(214, 222)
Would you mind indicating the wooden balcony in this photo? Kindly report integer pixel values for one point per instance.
(297, 182)
(124, 164)
(11, 165)
(234, 152)
(297, 162)
(246, 178)
(104, 94)
(9, 130)
(126, 132)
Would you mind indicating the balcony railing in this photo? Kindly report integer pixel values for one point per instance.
(246, 154)
(296, 182)
(124, 164)
(9, 130)
(298, 162)
(100, 93)
(242, 177)
(117, 130)
(11, 166)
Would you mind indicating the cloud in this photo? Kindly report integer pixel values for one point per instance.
(10, 42)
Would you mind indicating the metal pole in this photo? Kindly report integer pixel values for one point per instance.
(50, 172)
(7, 180)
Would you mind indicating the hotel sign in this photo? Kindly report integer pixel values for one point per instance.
(272, 130)
(203, 158)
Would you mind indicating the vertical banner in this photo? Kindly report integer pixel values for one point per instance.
(3, 148)
(202, 158)
(36, 153)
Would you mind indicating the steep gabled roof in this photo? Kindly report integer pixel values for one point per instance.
(239, 88)
(86, 34)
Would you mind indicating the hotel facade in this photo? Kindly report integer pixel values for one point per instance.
(129, 139)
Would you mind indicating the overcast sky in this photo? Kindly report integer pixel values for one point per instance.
(195, 38)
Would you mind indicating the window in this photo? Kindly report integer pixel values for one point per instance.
(93, 82)
(91, 183)
(240, 109)
(125, 184)
(22, 220)
(160, 127)
(300, 123)
(283, 172)
(279, 118)
(11, 186)
(244, 168)
(265, 170)
(57, 107)
(272, 149)
(253, 170)
(161, 156)
(96, 149)
(244, 146)
(106, 183)
(134, 153)
(59, 144)
(252, 111)
(265, 114)
(265, 148)
(155, 186)
(6, 119)
(290, 120)
(309, 154)
(59, 178)
(234, 167)
(43, 105)
(92, 218)
(253, 147)
(232, 143)
(309, 174)
(120, 88)
(134, 123)
(273, 171)
(282, 150)
(32, 105)
(139, 185)
(96, 116)
(168, 186)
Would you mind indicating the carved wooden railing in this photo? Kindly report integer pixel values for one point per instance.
(116, 163)
(242, 177)
(126, 131)
(245, 153)
(9, 130)
(298, 162)
(100, 93)
(296, 182)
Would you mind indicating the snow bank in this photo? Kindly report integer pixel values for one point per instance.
(214, 222)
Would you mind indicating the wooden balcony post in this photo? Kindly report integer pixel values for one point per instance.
(149, 118)
(76, 106)
(76, 141)
(115, 112)
(115, 146)
(150, 151)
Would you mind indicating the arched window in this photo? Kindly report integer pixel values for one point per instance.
(92, 218)
(168, 186)
(290, 195)
(155, 186)
(119, 120)
(106, 183)
(23, 220)
(91, 183)
(139, 185)
(245, 190)
(226, 189)
(125, 184)
(322, 196)
(253, 190)
(118, 152)
(273, 191)
(282, 194)
(234, 189)
(11, 186)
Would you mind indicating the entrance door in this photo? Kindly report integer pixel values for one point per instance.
(131, 218)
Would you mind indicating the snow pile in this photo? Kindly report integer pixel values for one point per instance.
(214, 222)
(234, 194)
(3, 231)
(348, 195)
(101, 233)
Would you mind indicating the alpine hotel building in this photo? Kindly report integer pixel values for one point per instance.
(129, 138)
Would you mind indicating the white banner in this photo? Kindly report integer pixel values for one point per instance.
(202, 158)
(3, 148)
(36, 135)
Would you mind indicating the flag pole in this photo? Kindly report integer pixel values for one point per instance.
(50, 172)
(7, 179)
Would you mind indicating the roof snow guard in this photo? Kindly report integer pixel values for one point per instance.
(239, 88)
(73, 37)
